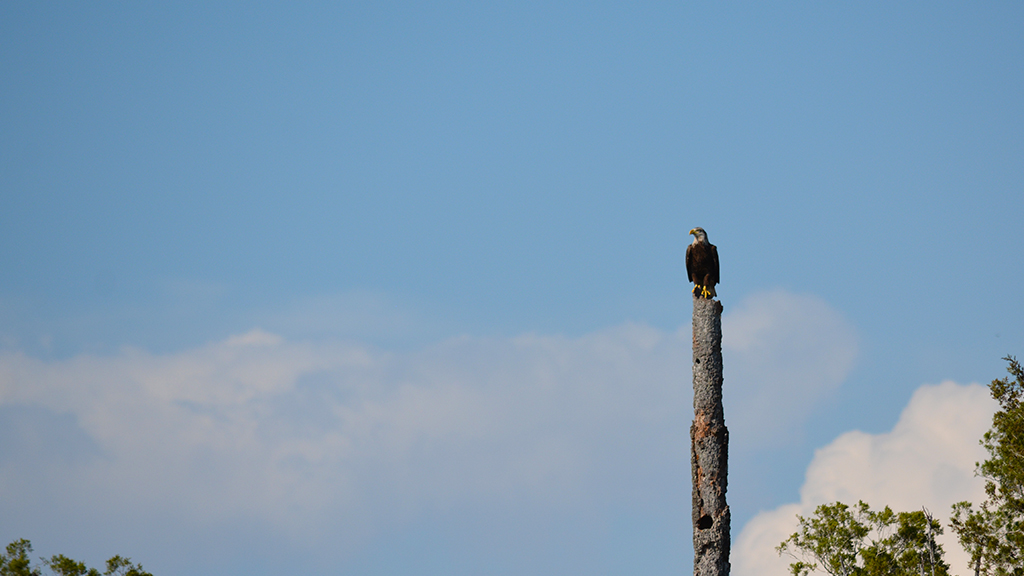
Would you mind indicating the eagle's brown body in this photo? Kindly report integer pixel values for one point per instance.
(702, 264)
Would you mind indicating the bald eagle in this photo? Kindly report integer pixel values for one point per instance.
(702, 264)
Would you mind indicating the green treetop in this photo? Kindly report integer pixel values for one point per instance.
(858, 541)
(16, 562)
(994, 533)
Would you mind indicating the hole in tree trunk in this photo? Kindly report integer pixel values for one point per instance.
(705, 522)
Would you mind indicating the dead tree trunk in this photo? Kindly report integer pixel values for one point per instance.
(709, 444)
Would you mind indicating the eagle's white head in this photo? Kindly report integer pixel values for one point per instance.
(699, 236)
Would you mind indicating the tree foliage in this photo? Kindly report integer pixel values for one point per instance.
(858, 541)
(994, 533)
(16, 562)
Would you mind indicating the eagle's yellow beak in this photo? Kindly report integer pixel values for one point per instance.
(692, 231)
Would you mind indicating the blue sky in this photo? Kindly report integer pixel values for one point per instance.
(435, 184)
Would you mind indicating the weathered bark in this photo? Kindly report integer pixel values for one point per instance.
(709, 444)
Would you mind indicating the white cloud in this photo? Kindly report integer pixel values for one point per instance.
(783, 354)
(293, 432)
(926, 460)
